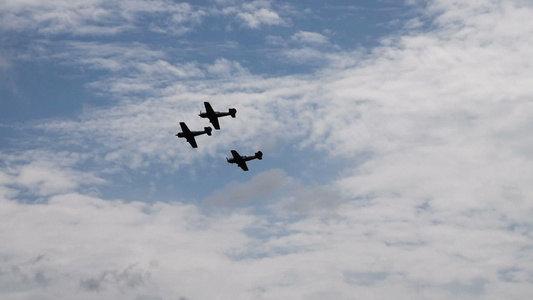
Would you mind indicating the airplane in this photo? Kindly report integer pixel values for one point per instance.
(214, 115)
(241, 160)
(189, 135)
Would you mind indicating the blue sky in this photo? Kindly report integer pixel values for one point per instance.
(396, 138)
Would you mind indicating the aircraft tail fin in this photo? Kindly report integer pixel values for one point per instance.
(232, 112)
(208, 130)
(259, 155)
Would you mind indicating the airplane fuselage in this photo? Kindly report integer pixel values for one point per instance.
(216, 114)
(232, 160)
(193, 133)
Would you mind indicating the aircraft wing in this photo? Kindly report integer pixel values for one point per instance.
(188, 135)
(209, 109)
(214, 121)
(185, 129)
(243, 166)
(192, 141)
(236, 156)
(239, 160)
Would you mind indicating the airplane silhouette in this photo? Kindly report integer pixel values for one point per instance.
(241, 160)
(189, 135)
(214, 115)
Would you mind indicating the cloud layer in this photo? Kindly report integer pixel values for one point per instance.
(433, 199)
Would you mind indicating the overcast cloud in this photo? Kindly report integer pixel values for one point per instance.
(401, 170)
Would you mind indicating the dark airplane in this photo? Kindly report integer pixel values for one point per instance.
(189, 135)
(214, 115)
(241, 160)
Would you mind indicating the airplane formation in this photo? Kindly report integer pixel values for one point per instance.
(213, 116)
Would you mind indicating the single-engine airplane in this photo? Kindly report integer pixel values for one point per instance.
(241, 160)
(189, 135)
(214, 115)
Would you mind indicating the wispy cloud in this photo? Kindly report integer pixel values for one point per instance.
(101, 18)
(309, 37)
(439, 207)
(96, 17)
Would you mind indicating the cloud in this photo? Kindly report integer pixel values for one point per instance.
(439, 91)
(305, 55)
(277, 192)
(42, 173)
(261, 16)
(255, 14)
(309, 37)
(79, 246)
(97, 17)
(100, 18)
(261, 185)
(163, 250)
(130, 278)
(439, 206)
(306, 48)
(225, 68)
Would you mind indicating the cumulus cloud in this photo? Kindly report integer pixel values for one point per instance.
(261, 16)
(43, 173)
(255, 14)
(79, 246)
(164, 250)
(438, 208)
(225, 68)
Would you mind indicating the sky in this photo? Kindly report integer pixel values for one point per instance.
(397, 142)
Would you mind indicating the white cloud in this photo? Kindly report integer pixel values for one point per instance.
(309, 37)
(254, 14)
(169, 250)
(78, 246)
(96, 17)
(440, 207)
(438, 92)
(261, 16)
(225, 68)
(57, 16)
(101, 18)
(42, 173)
